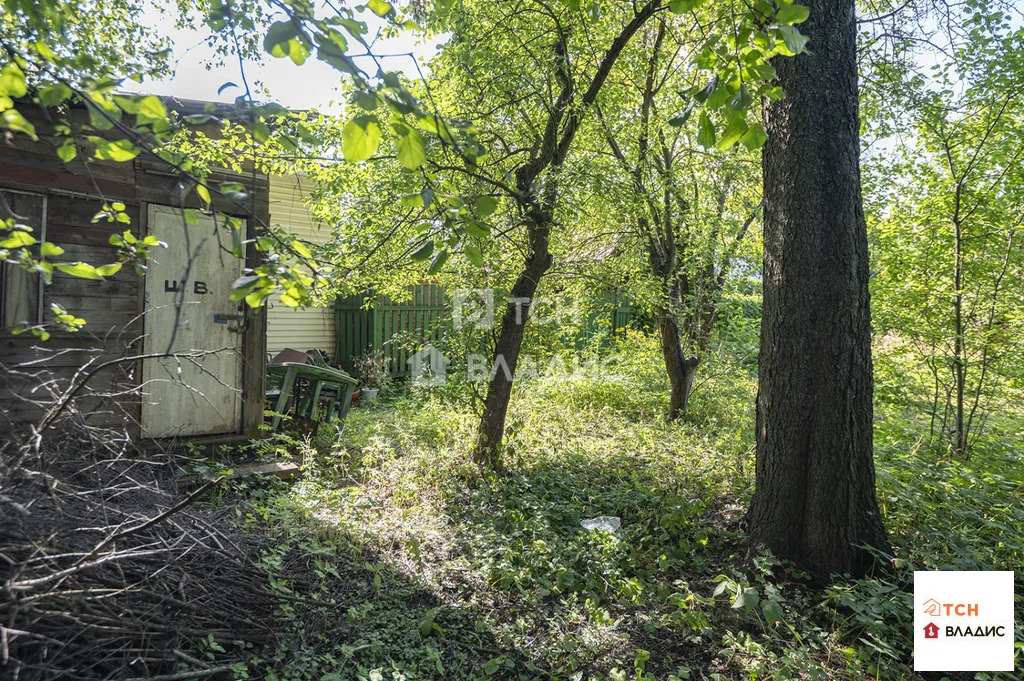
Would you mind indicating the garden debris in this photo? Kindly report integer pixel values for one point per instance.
(108, 573)
(602, 523)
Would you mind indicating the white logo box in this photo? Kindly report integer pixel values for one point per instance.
(963, 621)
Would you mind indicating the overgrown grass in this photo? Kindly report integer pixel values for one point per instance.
(400, 560)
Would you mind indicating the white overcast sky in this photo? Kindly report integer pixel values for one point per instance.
(310, 86)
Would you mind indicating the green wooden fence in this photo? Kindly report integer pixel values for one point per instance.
(389, 326)
(379, 323)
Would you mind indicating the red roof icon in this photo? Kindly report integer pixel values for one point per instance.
(931, 630)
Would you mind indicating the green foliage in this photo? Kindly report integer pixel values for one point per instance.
(945, 213)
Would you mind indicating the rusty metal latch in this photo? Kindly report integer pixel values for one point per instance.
(235, 322)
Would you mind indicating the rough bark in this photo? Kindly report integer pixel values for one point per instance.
(681, 370)
(815, 499)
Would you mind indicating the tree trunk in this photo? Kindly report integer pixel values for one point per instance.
(506, 356)
(552, 149)
(959, 358)
(681, 370)
(815, 496)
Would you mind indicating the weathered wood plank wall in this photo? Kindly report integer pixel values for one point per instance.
(73, 193)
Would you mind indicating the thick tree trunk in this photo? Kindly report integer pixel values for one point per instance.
(506, 357)
(815, 498)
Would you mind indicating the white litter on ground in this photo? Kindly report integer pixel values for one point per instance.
(604, 523)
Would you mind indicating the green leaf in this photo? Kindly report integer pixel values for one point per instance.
(360, 138)
(220, 14)
(795, 42)
(746, 599)
(754, 138)
(772, 611)
(260, 131)
(302, 249)
(477, 229)
(17, 239)
(258, 297)
(81, 270)
(53, 94)
(486, 205)
(237, 247)
(49, 249)
(412, 200)
(705, 131)
(792, 14)
(13, 120)
(412, 152)
(473, 255)
(705, 92)
(736, 129)
(278, 37)
(101, 111)
(678, 121)
(366, 100)
(440, 258)
(423, 252)
(108, 270)
(742, 99)
(151, 107)
(118, 151)
(67, 151)
(12, 81)
(204, 194)
(379, 7)
(684, 6)
(234, 191)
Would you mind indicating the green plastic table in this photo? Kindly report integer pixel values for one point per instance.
(337, 382)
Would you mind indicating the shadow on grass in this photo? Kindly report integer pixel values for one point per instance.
(425, 568)
(602, 601)
(356, 612)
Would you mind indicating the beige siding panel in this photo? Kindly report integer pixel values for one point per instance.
(289, 327)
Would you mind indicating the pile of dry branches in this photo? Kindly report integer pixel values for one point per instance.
(107, 572)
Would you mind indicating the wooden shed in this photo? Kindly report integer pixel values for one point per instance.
(180, 358)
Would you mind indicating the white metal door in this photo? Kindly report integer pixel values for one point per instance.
(189, 315)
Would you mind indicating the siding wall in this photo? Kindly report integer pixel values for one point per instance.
(291, 327)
